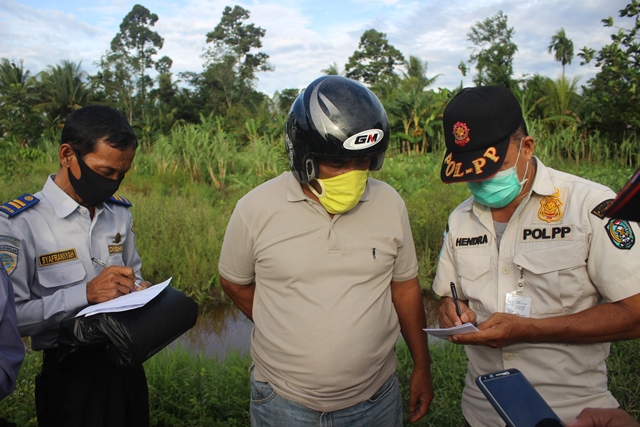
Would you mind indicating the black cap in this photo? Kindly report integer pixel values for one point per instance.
(626, 205)
(478, 123)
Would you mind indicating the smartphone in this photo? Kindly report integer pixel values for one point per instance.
(516, 400)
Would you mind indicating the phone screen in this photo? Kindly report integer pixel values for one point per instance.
(516, 400)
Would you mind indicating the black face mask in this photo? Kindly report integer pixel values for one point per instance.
(92, 187)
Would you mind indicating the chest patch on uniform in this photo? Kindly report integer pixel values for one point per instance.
(599, 210)
(550, 208)
(9, 257)
(620, 233)
(472, 241)
(564, 232)
(56, 257)
(15, 206)
(116, 249)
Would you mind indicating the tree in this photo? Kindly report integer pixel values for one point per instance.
(613, 95)
(231, 67)
(493, 51)
(562, 47)
(414, 110)
(122, 80)
(20, 121)
(332, 70)
(138, 42)
(62, 90)
(561, 103)
(12, 74)
(375, 59)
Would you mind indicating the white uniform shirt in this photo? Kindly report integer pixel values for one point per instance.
(571, 258)
(47, 250)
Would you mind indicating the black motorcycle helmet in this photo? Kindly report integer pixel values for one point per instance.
(335, 117)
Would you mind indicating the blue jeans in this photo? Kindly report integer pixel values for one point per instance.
(383, 409)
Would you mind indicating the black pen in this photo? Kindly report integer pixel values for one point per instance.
(455, 300)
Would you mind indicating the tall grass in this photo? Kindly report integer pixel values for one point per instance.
(185, 186)
(187, 390)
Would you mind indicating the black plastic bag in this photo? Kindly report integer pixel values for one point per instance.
(130, 337)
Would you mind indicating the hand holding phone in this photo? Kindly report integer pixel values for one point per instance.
(516, 400)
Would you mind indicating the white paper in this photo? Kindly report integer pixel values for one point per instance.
(443, 333)
(130, 301)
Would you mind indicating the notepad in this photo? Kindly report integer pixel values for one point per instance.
(130, 301)
(443, 333)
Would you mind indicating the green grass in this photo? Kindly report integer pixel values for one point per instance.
(193, 390)
(184, 190)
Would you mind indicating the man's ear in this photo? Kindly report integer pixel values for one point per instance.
(528, 146)
(65, 154)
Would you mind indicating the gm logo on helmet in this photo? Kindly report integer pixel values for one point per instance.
(363, 140)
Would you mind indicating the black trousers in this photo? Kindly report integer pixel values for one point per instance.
(90, 391)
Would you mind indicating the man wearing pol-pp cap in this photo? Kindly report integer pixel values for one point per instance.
(546, 276)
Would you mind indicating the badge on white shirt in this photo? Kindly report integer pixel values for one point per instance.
(517, 302)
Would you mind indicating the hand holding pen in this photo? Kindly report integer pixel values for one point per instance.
(112, 282)
(105, 265)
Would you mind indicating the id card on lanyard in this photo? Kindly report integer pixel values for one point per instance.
(517, 302)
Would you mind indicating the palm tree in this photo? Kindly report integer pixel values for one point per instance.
(63, 90)
(562, 48)
(332, 70)
(415, 108)
(12, 74)
(561, 103)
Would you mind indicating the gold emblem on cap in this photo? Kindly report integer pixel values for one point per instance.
(550, 208)
(461, 133)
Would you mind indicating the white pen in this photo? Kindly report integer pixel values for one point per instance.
(104, 264)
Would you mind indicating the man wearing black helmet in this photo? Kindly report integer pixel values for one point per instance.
(548, 279)
(322, 260)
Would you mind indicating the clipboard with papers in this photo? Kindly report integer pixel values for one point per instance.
(130, 328)
(130, 301)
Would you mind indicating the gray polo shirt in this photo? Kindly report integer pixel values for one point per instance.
(47, 252)
(325, 326)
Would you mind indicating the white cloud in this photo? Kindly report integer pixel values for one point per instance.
(305, 36)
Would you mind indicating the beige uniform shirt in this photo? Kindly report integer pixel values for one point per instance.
(325, 326)
(47, 250)
(571, 258)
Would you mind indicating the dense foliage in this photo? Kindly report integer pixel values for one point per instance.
(133, 78)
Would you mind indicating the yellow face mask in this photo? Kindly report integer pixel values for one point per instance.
(341, 193)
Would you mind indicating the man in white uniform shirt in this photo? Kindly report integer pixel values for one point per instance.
(548, 279)
(48, 242)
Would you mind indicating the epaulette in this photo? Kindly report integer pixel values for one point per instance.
(119, 200)
(20, 204)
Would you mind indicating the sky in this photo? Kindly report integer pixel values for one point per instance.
(303, 37)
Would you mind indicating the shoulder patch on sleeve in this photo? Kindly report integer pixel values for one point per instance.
(119, 200)
(20, 204)
(620, 233)
(599, 210)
